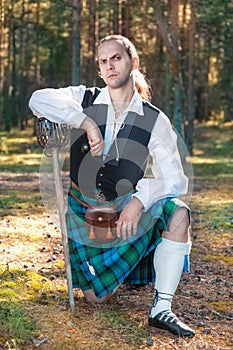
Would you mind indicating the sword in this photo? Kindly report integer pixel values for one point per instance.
(54, 136)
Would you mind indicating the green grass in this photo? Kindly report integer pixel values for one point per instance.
(21, 292)
(221, 216)
(19, 152)
(15, 199)
(17, 325)
(16, 322)
(220, 169)
(213, 151)
(217, 216)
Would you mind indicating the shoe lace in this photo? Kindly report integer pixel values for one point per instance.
(168, 316)
(158, 296)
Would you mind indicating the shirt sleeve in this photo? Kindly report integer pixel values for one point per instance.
(168, 178)
(62, 106)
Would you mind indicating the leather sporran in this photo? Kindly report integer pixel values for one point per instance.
(101, 223)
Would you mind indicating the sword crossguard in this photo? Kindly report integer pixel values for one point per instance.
(51, 135)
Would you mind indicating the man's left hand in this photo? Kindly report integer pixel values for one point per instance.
(129, 218)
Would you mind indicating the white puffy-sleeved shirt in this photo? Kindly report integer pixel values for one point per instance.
(63, 106)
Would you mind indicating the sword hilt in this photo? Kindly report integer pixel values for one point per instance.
(51, 135)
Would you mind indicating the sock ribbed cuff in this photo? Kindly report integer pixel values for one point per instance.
(175, 247)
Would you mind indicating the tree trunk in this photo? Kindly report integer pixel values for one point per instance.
(170, 41)
(7, 84)
(191, 103)
(127, 18)
(117, 16)
(93, 41)
(2, 53)
(37, 53)
(76, 44)
(205, 78)
(14, 100)
(227, 75)
(22, 68)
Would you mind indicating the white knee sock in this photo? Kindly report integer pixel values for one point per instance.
(169, 259)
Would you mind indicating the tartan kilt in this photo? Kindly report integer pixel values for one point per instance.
(102, 267)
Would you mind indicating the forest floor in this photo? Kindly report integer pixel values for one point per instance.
(34, 305)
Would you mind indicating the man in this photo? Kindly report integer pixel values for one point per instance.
(119, 131)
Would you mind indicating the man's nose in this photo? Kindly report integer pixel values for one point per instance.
(110, 65)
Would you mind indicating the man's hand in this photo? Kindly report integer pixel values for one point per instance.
(129, 218)
(94, 136)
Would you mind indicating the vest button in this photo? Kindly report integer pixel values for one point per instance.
(99, 184)
(101, 174)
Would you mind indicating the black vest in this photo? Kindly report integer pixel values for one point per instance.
(114, 175)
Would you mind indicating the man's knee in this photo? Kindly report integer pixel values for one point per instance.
(179, 228)
(91, 297)
(180, 219)
(183, 216)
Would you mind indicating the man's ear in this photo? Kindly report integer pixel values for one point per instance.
(135, 63)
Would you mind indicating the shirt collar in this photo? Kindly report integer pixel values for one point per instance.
(134, 106)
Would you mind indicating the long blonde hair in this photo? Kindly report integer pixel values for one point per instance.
(142, 85)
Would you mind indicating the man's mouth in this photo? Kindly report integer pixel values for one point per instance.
(113, 75)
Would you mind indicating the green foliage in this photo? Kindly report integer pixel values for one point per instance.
(218, 168)
(53, 34)
(215, 152)
(20, 201)
(16, 323)
(19, 152)
(212, 15)
(221, 217)
(40, 54)
(214, 73)
(119, 323)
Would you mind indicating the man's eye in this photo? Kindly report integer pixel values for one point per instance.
(103, 61)
(117, 58)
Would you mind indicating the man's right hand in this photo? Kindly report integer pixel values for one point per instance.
(94, 136)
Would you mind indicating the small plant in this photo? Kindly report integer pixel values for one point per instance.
(15, 323)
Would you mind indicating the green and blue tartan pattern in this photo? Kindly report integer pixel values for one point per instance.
(102, 267)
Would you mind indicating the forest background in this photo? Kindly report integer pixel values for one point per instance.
(185, 48)
(186, 51)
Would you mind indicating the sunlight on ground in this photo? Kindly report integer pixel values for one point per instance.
(221, 201)
(26, 159)
(204, 160)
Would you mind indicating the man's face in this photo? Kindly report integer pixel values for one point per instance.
(115, 64)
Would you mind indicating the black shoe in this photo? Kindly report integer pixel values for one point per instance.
(169, 321)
